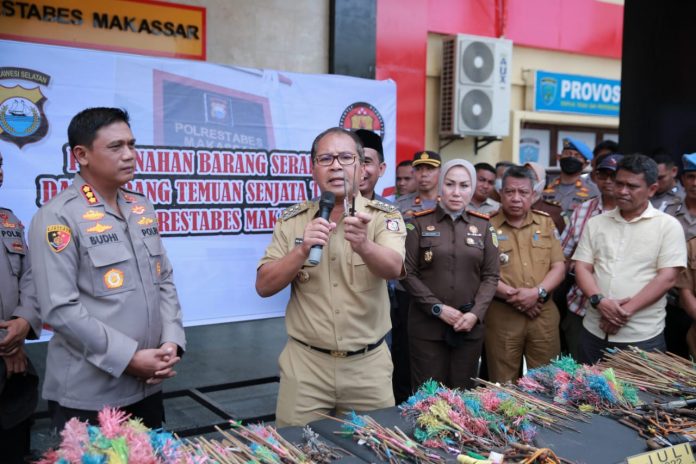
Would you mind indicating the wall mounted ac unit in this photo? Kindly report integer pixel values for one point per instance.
(475, 86)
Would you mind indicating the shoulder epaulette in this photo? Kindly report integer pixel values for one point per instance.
(478, 214)
(423, 212)
(294, 210)
(543, 213)
(382, 206)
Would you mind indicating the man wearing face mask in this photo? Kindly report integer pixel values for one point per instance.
(570, 189)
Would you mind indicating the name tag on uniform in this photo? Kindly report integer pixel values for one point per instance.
(502, 237)
(431, 233)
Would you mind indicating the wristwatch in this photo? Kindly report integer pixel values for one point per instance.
(595, 299)
(436, 310)
(543, 295)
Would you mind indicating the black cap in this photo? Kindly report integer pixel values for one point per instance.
(371, 140)
(427, 157)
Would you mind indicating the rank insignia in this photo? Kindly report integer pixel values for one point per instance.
(89, 194)
(158, 268)
(17, 246)
(145, 221)
(428, 256)
(393, 225)
(303, 277)
(9, 225)
(504, 258)
(129, 198)
(99, 228)
(113, 278)
(93, 215)
(138, 209)
(58, 237)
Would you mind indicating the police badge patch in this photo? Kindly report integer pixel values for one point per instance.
(22, 117)
(58, 237)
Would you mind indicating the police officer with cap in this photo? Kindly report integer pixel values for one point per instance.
(426, 165)
(570, 189)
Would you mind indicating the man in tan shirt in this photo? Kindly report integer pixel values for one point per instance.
(338, 313)
(626, 261)
(522, 320)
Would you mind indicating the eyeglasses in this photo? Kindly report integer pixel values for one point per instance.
(605, 174)
(344, 159)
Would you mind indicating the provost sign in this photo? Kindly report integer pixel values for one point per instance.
(570, 93)
(134, 26)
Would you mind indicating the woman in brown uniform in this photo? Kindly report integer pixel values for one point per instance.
(452, 274)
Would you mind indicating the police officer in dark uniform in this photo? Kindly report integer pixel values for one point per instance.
(426, 165)
(452, 275)
(19, 320)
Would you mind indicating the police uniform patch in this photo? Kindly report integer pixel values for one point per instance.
(58, 237)
(145, 221)
(393, 225)
(93, 215)
(17, 246)
(89, 194)
(138, 209)
(9, 225)
(98, 228)
(113, 278)
(129, 198)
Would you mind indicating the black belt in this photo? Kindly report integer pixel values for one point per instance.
(342, 354)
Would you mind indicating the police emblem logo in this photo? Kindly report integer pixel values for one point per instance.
(138, 209)
(548, 89)
(145, 221)
(113, 278)
(58, 237)
(393, 225)
(22, 117)
(362, 115)
(93, 215)
(99, 228)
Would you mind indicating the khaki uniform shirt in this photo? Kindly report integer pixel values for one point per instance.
(626, 257)
(687, 278)
(570, 196)
(662, 201)
(17, 294)
(413, 203)
(452, 262)
(527, 252)
(106, 286)
(679, 210)
(487, 206)
(337, 304)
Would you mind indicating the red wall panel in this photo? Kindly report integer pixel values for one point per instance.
(588, 27)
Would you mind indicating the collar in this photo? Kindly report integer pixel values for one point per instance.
(649, 212)
(529, 219)
(441, 214)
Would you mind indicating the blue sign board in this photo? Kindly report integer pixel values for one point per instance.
(570, 93)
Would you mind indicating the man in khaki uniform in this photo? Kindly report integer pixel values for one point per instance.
(338, 313)
(522, 320)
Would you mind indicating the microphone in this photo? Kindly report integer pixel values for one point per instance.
(326, 204)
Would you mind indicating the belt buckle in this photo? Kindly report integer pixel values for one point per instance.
(338, 354)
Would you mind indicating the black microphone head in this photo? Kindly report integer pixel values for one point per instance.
(327, 200)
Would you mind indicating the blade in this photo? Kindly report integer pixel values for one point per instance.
(354, 193)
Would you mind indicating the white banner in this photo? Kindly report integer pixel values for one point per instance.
(222, 151)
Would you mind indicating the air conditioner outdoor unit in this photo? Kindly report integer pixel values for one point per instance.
(475, 86)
